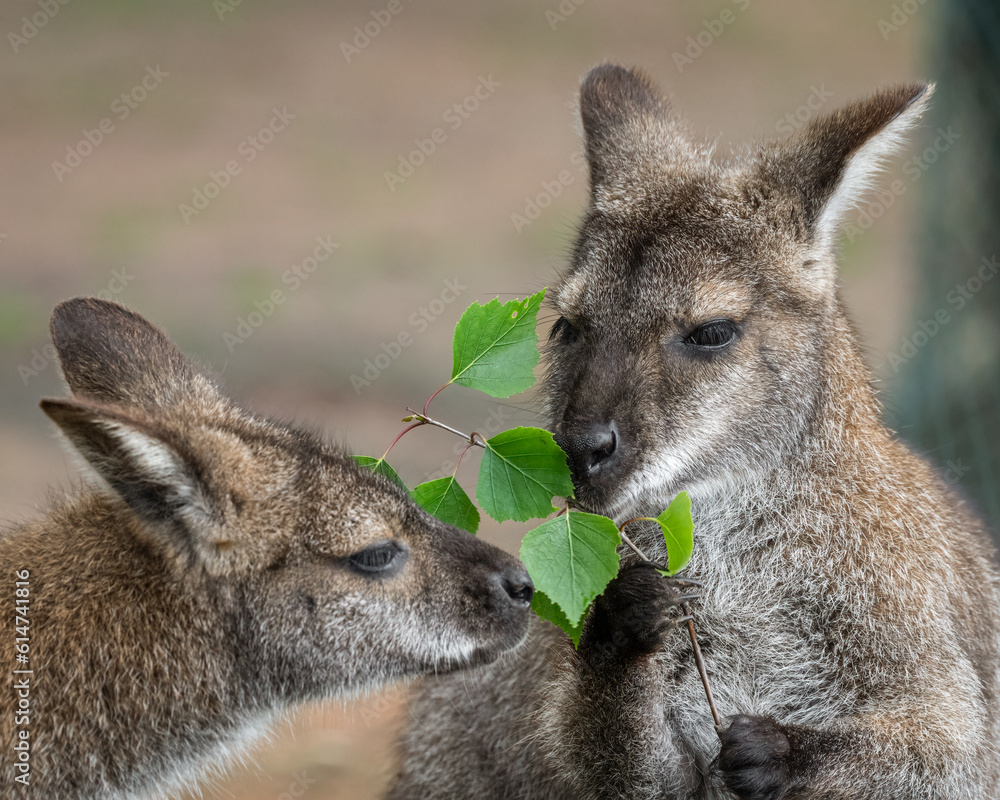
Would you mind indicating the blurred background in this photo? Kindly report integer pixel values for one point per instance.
(381, 165)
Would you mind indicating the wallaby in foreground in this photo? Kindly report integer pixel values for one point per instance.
(850, 617)
(227, 569)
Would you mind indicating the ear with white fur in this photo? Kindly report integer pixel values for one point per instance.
(158, 481)
(833, 162)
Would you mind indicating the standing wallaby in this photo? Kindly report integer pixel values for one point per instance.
(850, 617)
(227, 569)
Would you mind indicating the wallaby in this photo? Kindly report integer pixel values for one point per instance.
(226, 569)
(850, 613)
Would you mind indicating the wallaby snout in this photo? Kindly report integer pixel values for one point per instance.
(515, 585)
(490, 592)
(591, 447)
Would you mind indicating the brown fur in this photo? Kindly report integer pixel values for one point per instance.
(850, 616)
(214, 576)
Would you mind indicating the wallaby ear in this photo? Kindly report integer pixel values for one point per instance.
(832, 162)
(632, 134)
(159, 482)
(113, 355)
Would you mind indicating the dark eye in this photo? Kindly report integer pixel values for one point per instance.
(713, 335)
(564, 332)
(378, 559)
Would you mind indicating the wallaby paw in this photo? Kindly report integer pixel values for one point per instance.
(754, 758)
(633, 616)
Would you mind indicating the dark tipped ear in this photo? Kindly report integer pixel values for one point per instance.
(834, 160)
(630, 128)
(113, 355)
(159, 482)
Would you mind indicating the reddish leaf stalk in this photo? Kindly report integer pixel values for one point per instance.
(402, 433)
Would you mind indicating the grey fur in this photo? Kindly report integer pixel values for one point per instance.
(851, 611)
(205, 585)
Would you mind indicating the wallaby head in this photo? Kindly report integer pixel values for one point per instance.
(320, 556)
(849, 615)
(701, 307)
(225, 568)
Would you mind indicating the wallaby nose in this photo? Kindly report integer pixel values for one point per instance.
(592, 447)
(513, 584)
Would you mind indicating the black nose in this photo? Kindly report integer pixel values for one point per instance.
(512, 583)
(592, 448)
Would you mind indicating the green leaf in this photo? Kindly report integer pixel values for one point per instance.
(522, 470)
(495, 349)
(571, 559)
(678, 532)
(550, 612)
(381, 467)
(447, 501)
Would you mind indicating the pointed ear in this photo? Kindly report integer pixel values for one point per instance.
(830, 165)
(159, 482)
(632, 134)
(113, 355)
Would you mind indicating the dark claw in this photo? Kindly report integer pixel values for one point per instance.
(674, 579)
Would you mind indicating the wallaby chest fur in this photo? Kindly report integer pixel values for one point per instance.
(850, 615)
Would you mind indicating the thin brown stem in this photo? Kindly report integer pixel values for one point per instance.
(473, 438)
(700, 663)
(633, 545)
(695, 647)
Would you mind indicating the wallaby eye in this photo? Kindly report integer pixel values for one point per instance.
(379, 559)
(713, 335)
(564, 331)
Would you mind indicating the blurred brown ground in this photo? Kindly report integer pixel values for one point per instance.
(324, 176)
